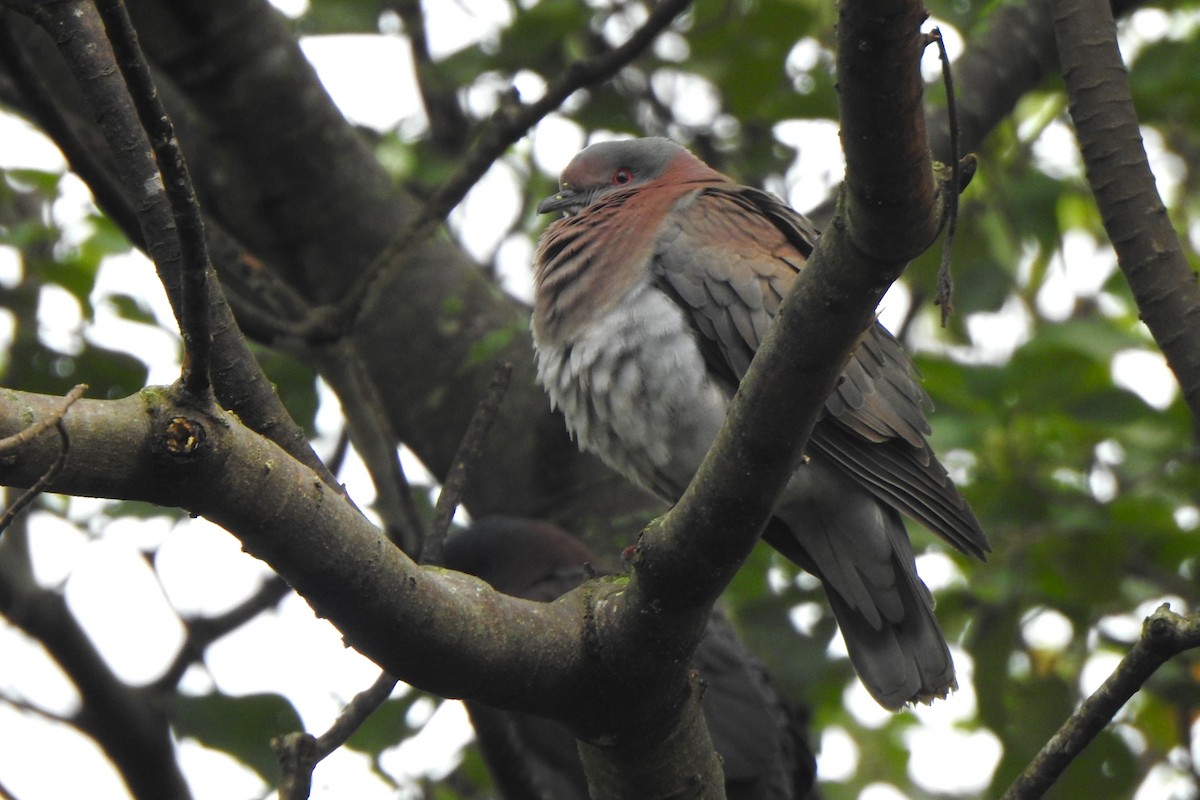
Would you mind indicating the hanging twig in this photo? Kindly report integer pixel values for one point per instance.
(945, 280)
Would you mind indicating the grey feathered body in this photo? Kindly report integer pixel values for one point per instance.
(634, 390)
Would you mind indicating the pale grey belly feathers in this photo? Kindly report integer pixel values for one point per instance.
(635, 391)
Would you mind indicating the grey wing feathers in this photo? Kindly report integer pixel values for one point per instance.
(728, 255)
(713, 257)
(908, 479)
(879, 396)
(875, 430)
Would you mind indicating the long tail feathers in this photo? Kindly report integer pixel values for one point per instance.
(856, 544)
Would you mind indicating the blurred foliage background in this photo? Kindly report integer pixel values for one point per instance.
(1053, 408)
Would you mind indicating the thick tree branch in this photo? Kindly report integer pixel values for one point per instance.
(444, 632)
(258, 296)
(1148, 249)
(832, 302)
(441, 631)
(239, 382)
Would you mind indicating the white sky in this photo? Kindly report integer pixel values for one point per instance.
(201, 568)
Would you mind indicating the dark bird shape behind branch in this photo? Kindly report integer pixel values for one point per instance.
(760, 735)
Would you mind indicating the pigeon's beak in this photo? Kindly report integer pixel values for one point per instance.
(567, 200)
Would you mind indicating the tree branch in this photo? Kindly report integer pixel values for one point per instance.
(465, 462)
(1165, 635)
(1148, 249)
(449, 127)
(203, 631)
(441, 631)
(194, 315)
(831, 303)
(299, 753)
(371, 432)
(239, 382)
(36, 429)
(302, 151)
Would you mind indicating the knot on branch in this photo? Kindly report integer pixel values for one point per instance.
(183, 437)
(1165, 630)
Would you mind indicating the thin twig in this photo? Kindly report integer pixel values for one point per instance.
(43, 483)
(507, 126)
(1165, 634)
(37, 711)
(185, 208)
(354, 714)
(203, 631)
(372, 435)
(449, 127)
(464, 462)
(41, 426)
(299, 752)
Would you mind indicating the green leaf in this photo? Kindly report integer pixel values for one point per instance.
(240, 726)
(385, 727)
(340, 16)
(295, 382)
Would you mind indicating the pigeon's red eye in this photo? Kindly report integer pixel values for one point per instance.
(622, 176)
